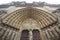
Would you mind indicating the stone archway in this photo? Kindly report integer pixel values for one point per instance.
(46, 20)
(15, 18)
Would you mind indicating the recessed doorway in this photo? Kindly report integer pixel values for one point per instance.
(25, 35)
(36, 34)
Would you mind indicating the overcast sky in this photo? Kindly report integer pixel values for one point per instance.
(30, 1)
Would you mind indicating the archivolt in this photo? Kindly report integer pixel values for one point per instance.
(15, 18)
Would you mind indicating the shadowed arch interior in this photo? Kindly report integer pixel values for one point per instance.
(25, 35)
(15, 18)
(36, 34)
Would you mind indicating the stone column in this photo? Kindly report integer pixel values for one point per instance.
(43, 35)
(18, 34)
(30, 34)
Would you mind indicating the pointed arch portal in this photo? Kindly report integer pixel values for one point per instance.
(15, 18)
(43, 18)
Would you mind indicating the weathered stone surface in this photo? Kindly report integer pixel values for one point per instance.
(29, 18)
